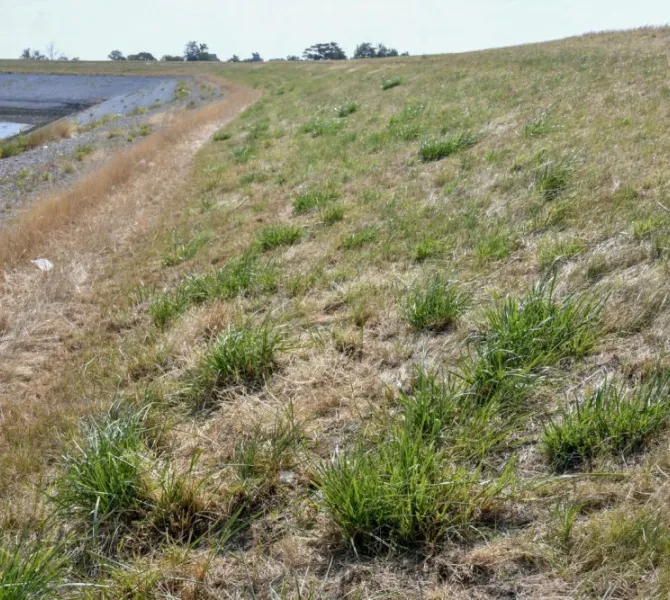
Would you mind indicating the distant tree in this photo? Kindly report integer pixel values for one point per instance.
(75, 59)
(384, 52)
(405, 53)
(329, 51)
(53, 53)
(255, 58)
(116, 55)
(367, 50)
(29, 54)
(292, 57)
(172, 58)
(234, 59)
(194, 51)
(142, 57)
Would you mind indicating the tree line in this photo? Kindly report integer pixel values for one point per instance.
(50, 53)
(195, 51)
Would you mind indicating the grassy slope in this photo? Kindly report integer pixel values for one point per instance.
(566, 176)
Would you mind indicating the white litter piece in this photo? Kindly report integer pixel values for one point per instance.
(43, 264)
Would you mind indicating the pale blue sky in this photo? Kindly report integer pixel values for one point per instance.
(91, 28)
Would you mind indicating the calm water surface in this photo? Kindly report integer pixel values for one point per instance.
(8, 129)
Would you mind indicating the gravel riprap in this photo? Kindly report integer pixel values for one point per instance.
(97, 131)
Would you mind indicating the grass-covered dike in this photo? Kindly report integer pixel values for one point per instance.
(405, 337)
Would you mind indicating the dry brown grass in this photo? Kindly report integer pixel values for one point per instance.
(45, 316)
(33, 226)
(55, 131)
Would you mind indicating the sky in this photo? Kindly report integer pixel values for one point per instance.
(90, 29)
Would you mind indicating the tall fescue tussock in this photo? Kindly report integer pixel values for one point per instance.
(183, 251)
(525, 335)
(390, 83)
(242, 356)
(440, 409)
(104, 486)
(315, 197)
(553, 178)
(32, 569)
(404, 492)
(610, 420)
(274, 236)
(433, 150)
(346, 109)
(263, 453)
(406, 125)
(242, 274)
(434, 304)
(20, 237)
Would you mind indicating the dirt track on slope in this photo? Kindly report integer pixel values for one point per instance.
(82, 231)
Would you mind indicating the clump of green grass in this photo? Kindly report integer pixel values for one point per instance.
(274, 236)
(346, 109)
(390, 83)
(643, 229)
(82, 151)
(405, 125)
(321, 127)
(403, 492)
(494, 247)
(611, 421)
(315, 198)
(32, 570)
(103, 485)
(360, 238)
(241, 356)
(91, 125)
(222, 136)
(181, 90)
(433, 150)
(332, 214)
(427, 248)
(552, 253)
(241, 274)
(139, 110)
(525, 335)
(441, 409)
(539, 127)
(243, 153)
(263, 453)
(183, 251)
(253, 177)
(435, 304)
(553, 178)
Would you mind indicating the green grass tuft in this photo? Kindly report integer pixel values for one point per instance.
(242, 274)
(322, 127)
(553, 178)
(103, 484)
(360, 238)
(434, 304)
(32, 570)
(183, 251)
(332, 214)
(390, 83)
(433, 150)
(242, 356)
(274, 236)
(525, 335)
(346, 109)
(403, 492)
(315, 198)
(609, 421)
